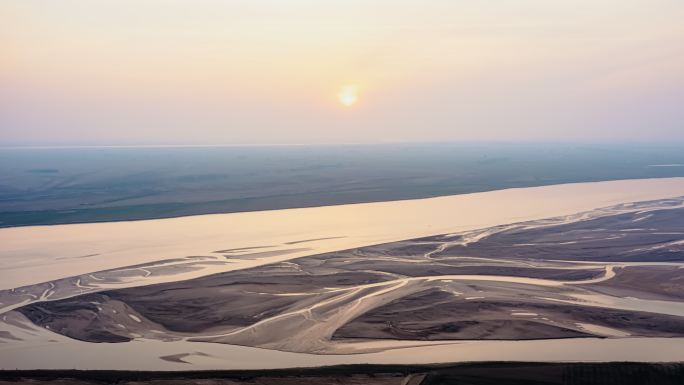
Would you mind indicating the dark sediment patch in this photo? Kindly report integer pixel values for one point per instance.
(437, 315)
(217, 302)
(620, 237)
(646, 282)
(437, 268)
(176, 358)
(5, 335)
(77, 318)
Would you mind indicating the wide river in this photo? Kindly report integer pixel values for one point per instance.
(34, 255)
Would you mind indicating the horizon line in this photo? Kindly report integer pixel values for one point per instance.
(322, 144)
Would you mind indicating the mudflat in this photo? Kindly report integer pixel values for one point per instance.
(591, 284)
(547, 279)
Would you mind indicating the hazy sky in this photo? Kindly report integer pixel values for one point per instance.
(235, 72)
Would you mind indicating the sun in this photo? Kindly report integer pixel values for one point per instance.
(348, 95)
